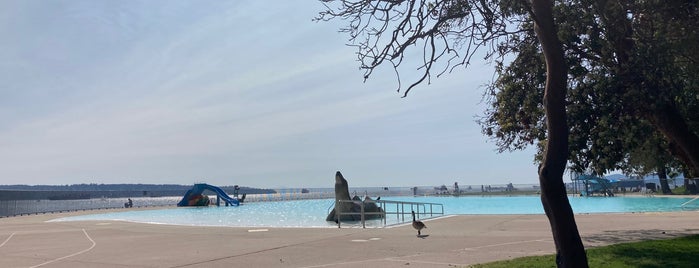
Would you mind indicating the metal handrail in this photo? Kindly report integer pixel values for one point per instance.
(690, 201)
(400, 211)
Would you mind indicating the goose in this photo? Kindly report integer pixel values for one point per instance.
(418, 225)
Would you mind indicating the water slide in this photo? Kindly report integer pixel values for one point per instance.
(199, 188)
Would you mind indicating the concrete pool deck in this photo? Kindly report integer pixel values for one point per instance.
(30, 241)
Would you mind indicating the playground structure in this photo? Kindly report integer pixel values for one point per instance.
(596, 185)
(194, 196)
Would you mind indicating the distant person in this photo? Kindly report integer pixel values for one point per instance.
(129, 203)
(236, 189)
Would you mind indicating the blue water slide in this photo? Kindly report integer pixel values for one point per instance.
(184, 202)
(200, 188)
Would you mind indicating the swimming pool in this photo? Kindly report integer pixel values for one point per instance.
(312, 213)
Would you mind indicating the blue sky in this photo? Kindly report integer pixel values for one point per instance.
(225, 92)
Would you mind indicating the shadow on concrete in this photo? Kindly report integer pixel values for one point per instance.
(624, 236)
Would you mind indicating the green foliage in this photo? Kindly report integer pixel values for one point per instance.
(679, 190)
(625, 63)
(516, 114)
(678, 252)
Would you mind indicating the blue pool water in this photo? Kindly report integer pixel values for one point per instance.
(312, 213)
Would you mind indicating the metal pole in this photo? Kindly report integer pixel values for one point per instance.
(397, 214)
(362, 205)
(383, 206)
(337, 213)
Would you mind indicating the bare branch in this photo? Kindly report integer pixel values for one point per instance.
(450, 32)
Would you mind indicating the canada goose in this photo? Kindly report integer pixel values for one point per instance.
(418, 225)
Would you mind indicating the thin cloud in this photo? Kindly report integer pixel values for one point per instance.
(237, 92)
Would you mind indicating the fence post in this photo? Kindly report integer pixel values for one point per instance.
(337, 213)
(362, 205)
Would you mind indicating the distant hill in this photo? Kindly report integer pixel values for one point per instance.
(120, 187)
(86, 191)
(649, 178)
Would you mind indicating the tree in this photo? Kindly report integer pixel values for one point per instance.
(450, 31)
(570, 252)
(632, 77)
(660, 41)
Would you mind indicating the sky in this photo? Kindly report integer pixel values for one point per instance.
(226, 92)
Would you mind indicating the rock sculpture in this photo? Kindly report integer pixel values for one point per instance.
(342, 193)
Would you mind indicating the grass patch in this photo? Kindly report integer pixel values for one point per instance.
(677, 252)
(679, 190)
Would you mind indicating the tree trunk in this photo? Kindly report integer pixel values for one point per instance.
(662, 176)
(673, 126)
(569, 248)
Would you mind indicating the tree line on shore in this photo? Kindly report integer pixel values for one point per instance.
(92, 190)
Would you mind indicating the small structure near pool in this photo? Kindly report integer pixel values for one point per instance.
(596, 185)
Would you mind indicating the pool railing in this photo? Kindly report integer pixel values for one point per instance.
(422, 210)
(690, 201)
(276, 197)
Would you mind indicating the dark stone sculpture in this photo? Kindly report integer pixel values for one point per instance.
(342, 193)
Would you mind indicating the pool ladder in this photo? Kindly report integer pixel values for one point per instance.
(421, 210)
